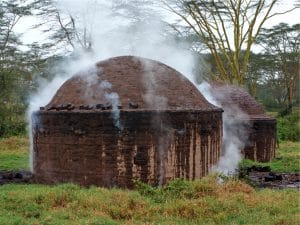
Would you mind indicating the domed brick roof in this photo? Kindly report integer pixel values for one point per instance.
(231, 95)
(134, 83)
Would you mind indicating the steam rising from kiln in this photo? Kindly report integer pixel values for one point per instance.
(91, 77)
(158, 102)
(148, 40)
(235, 132)
(152, 98)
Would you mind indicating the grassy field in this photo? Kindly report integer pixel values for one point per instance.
(200, 202)
(206, 201)
(14, 153)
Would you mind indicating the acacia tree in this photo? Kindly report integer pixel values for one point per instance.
(282, 44)
(227, 28)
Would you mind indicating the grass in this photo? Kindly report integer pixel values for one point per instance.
(181, 202)
(14, 153)
(287, 158)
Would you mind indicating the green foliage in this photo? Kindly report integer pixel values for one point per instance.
(175, 189)
(288, 127)
(18, 67)
(279, 67)
(287, 159)
(12, 119)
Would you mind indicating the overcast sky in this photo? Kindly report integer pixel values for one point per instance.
(35, 35)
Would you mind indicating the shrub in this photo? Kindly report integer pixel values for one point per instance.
(12, 120)
(288, 127)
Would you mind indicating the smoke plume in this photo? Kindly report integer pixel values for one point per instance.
(92, 77)
(235, 134)
(113, 35)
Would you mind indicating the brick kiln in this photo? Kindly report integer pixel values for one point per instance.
(257, 126)
(128, 118)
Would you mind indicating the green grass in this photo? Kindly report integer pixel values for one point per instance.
(287, 158)
(181, 202)
(14, 153)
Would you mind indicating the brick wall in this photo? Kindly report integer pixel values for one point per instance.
(86, 148)
(262, 140)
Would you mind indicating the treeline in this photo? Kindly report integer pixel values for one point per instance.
(221, 33)
(16, 70)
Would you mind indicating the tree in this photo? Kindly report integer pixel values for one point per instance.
(60, 27)
(228, 29)
(75, 29)
(12, 59)
(13, 75)
(264, 81)
(282, 44)
(17, 66)
(256, 67)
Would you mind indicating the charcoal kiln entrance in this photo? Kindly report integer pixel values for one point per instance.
(127, 119)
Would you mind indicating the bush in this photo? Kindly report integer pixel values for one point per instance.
(12, 120)
(288, 127)
(8, 129)
(175, 189)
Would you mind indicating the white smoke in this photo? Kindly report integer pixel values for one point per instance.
(105, 85)
(111, 36)
(155, 100)
(152, 88)
(113, 98)
(235, 132)
(42, 97)
(92, 76)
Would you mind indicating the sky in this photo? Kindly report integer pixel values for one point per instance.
(290, 18)
(30, 35)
